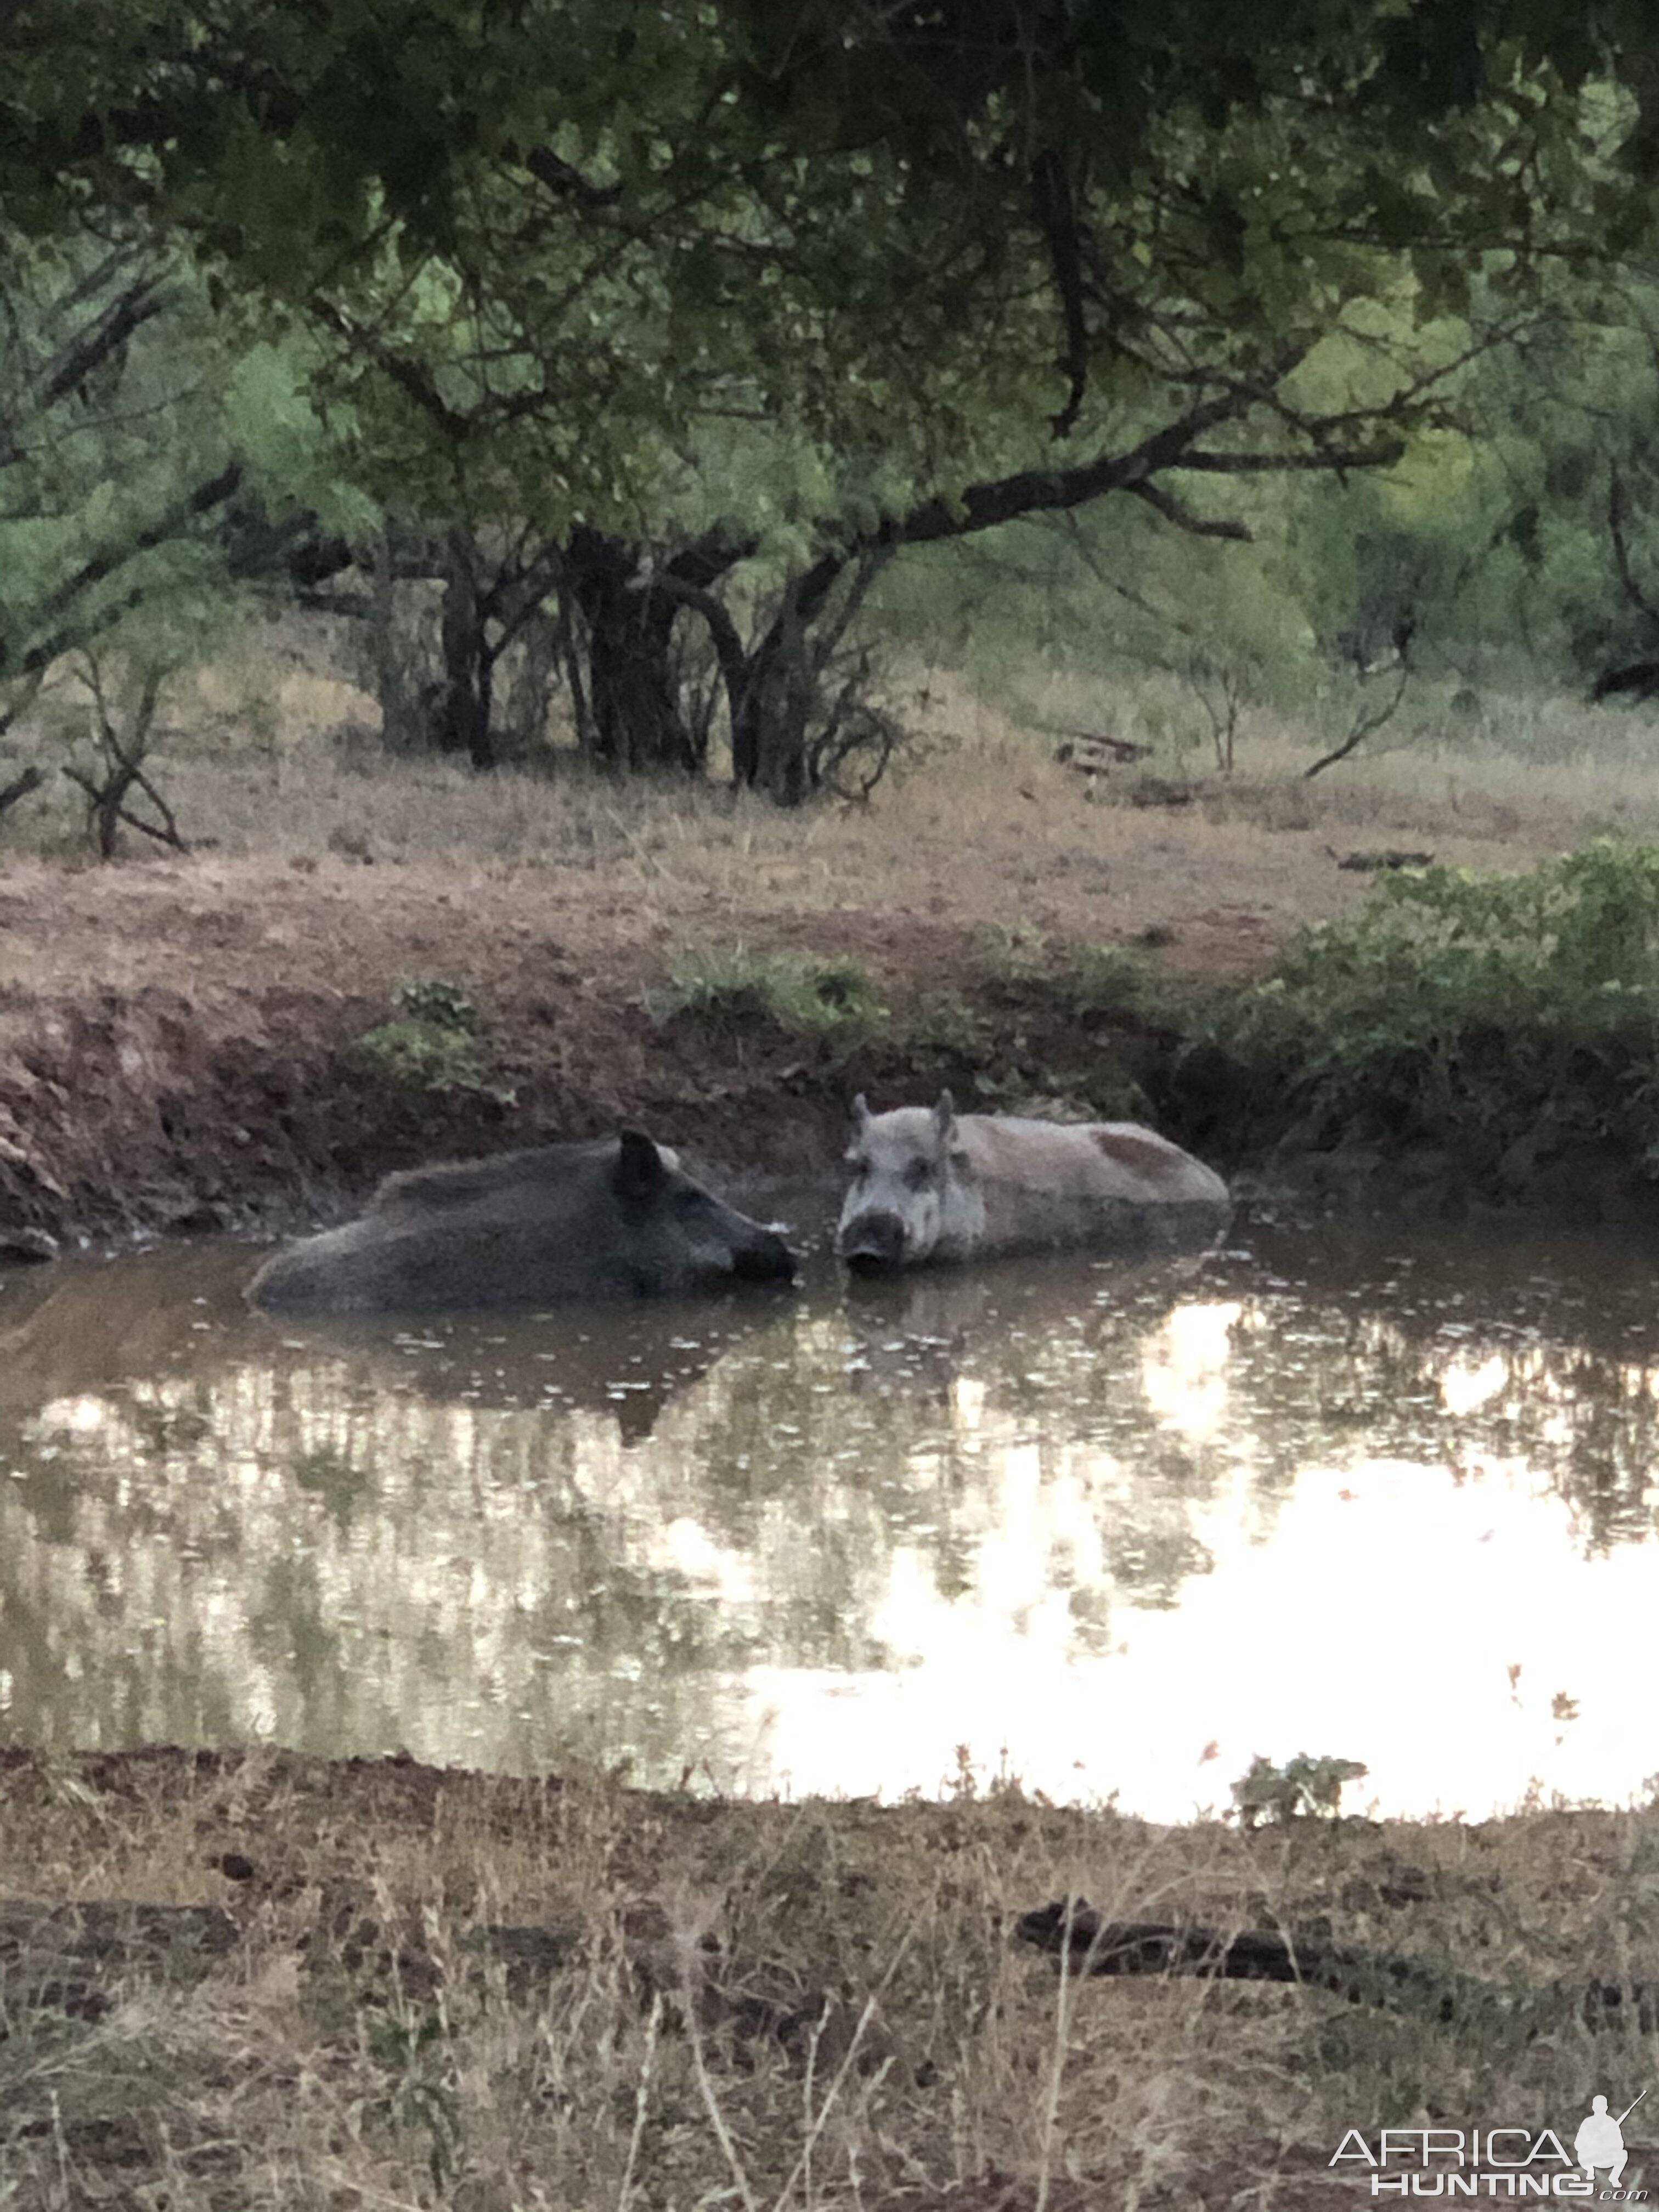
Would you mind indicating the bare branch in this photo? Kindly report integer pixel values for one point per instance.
(1196, 525)
(1330, 459)
(20, 786)
(1365, 726)
(143, 299)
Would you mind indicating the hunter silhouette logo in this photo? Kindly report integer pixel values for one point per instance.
(1600, 2141)
(1501, 2161)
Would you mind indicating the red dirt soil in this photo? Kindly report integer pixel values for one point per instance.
(174, 1037)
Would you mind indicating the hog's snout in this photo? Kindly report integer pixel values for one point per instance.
(765, 1259)
(872, 1243)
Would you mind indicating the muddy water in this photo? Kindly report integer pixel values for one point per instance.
(1390, 1497)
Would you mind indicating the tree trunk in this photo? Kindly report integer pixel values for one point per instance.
(528, 672)
(469, 660)
(403, 727)
(768, 734)
(632, 704)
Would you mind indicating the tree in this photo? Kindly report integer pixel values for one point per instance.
(760, 288)
(146, 482)
(105, 506)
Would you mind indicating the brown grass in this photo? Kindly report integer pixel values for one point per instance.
(275, 759)
(773, 2005)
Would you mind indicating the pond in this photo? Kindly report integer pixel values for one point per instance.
(1386, 1495)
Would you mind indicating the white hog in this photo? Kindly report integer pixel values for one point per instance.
(930, 1185)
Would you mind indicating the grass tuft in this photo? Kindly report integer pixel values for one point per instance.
(833, 1003)
(433, 1043)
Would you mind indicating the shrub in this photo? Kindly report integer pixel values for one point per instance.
(1485, 998)
(433, 1043)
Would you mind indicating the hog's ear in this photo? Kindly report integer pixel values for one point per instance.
(945, 1116)
(640, 1165)
(862, 1117)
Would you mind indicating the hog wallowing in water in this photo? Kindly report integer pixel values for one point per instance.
(932, 1185)
(615, 1219)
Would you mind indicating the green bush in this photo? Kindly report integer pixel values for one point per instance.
(1301, 1788)
(1484, 997)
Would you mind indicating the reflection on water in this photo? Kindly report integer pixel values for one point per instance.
(1384, 1498)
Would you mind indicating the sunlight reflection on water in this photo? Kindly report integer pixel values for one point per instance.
(1113, 1531)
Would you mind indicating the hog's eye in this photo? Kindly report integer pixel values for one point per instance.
(918, 1175)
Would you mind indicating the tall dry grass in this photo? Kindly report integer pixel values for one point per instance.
(372, 2039)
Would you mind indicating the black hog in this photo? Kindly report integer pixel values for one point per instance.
(614, 1220)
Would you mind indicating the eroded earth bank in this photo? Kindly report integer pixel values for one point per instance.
(211, 1044)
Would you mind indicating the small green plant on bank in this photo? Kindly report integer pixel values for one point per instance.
(1488, 1000)
(414, 2051)
(1303, 1786)
(1083, 981)
(433, 1043)
(834, 1002)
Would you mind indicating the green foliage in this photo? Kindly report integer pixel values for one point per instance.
(434, 1042)
(835, 1003)
(1484, 998)
(1303, 1786)
(945, 1023)
(436, 1003)
(414, 2051)
(1082, 982)
(793, 272)
(759, 286)
(110, 457)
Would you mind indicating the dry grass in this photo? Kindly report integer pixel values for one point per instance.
(770, 2006)
(277, 758)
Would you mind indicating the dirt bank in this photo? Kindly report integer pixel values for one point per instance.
(181, 1041)
(176, 1040)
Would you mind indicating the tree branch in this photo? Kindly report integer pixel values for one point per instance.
(20, 786)
(1056, 211)
(559, 176)
(206, 496)
(1363, 727)
(722, 631)
(1335, 460)
(1196, 525)
(144, 299)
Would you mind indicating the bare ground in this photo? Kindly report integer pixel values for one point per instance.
(173, 1037)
